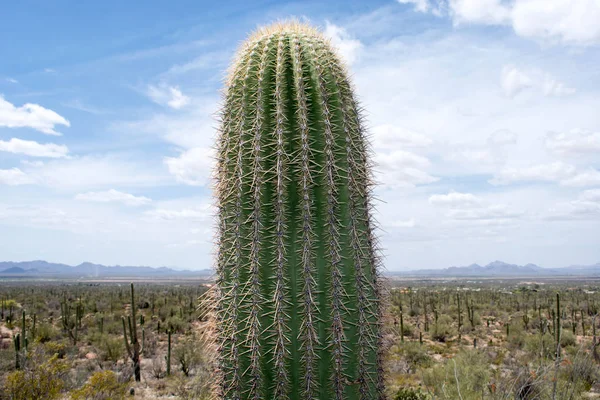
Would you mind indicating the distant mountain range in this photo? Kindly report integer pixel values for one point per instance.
(42, 269)
(501, 269)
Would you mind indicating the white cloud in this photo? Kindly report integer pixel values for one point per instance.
(34, 149)
(566, 21)
(14, 177)
(563, 21)
(455, 199)
(401, 169)
(585, 207)
(171, 96)
(195, 127)
(348, 47)
(558, 171)
(466, 207)
(589, 177)
(112, 195)
(92, 172)
(591, 196)
(399, 223)
(200, 214)
(388, 136)
(30, 116)
(552, 172)
(489, 12)
(192, 167)
(11, 80)
(425, 6)
(574, 142)
(514, 81)
(552, 87)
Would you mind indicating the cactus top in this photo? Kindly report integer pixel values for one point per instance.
(299, 308)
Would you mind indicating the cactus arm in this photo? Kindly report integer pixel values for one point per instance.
(125, 338)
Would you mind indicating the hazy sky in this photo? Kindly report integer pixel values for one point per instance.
(484, 115)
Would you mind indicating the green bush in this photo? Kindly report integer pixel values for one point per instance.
(415, 355)
(42, 381)
(410, 394)
(567, 338)
(103, 385)
(443, 329)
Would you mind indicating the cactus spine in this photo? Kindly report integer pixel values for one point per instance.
(299, 310)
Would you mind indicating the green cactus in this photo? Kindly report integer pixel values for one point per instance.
(135, 348)
(299, 307)
(168, 356)
(17, 343)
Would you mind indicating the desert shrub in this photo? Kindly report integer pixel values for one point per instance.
(187, 355)
(470, 368)
(176, 323)
(443, 329)
(55, 348)
(158, 367)
(408, 329)
(103, 385)
(540, 346)
(42, 381)
(410, 394)
(567, 338)
(415, 355)
(150, 345)
(111, 348)
(45, 332)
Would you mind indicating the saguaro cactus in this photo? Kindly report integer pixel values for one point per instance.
(299, 293)
(135, 348)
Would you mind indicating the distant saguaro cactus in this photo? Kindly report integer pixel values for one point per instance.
(133, 345)
(299, 306)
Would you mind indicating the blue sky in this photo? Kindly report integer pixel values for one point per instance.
(483, 115)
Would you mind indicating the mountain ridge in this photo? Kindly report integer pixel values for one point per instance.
(86, 269)
(502, 269)
(42, 268)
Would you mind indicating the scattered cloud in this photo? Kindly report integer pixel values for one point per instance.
(192, 167)
(555, 21)
(30, 116)
(587, 178)
(114, 196)
(77, 104)
(515, 80)
(91, 172)
(391, 136)
(199, 214)
(34, 149)
(488, 12)
(455, 199)
(348, 47)
(466, 207)
(552, 87)
(12, 80)
(558, 171)
(166, 95)
(403, 169)
(585, 207)
(399, 223)
(425, 6)
(14, 177)
(574, 142)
